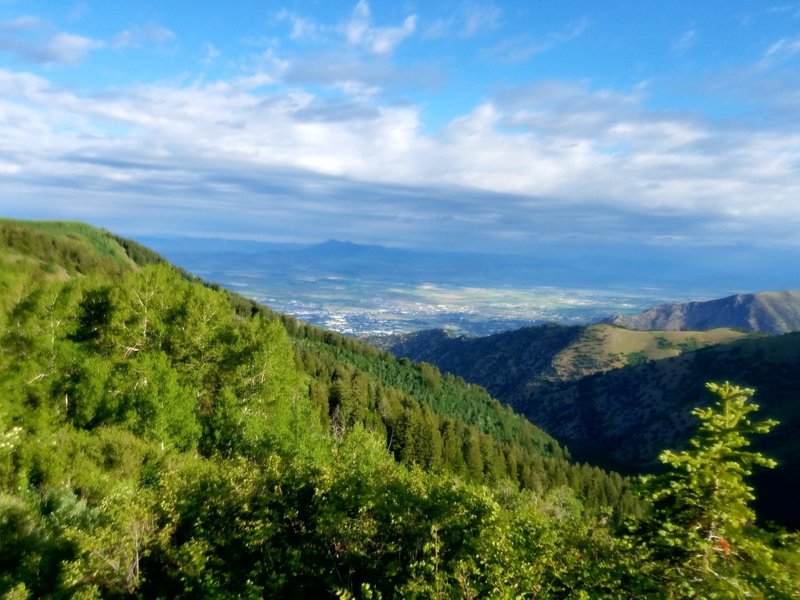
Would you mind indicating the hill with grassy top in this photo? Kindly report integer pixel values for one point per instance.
(624, 417)
(618, 396)
(515, 362)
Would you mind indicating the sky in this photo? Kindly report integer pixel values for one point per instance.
(485, 126)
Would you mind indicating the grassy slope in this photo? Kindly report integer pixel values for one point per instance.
(82, 235)
(779, 310)
(603, 347)
(510, 364)
(44, 251)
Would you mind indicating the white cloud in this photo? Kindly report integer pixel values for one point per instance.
(480, 17)
(68, 48)
(783, 47)
(472, 20)
(142, 35)
(302, 27)
(29, 39)
(378, 40)
(685, 42)
(522, 47)
(358, 31)
(211, 53)
(22, 23)
(793, 10)
(552, 144)
(518, 48)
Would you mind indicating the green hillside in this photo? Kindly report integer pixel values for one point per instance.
(59, 244)
(512, 363)
(602, 348)
(164, 438)
(430, 420)
(618, 397)
(623, 418)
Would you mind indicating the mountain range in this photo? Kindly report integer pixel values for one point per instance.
(767, 312)
(367, 289)
(617, 397)
(161, 436)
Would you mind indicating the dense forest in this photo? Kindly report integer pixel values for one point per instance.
(160, 437)
(579, 384)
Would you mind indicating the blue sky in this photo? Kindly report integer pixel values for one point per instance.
(456, 125)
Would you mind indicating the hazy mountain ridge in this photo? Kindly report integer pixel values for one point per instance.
(359, 289)
(766, 312)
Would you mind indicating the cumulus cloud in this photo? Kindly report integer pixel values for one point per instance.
(29, 39)
(547, 159)
(354, 57)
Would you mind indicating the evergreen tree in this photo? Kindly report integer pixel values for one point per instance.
(701, 535)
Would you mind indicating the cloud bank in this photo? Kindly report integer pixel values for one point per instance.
(299, 149)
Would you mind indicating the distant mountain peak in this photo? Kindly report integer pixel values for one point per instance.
(764, 312)
(334, 243)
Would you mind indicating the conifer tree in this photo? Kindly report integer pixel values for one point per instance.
(701, 537)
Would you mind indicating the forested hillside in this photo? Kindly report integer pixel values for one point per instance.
(618, 397)
(429, 420)
(623, 418)
(513, 363)
(164, 438)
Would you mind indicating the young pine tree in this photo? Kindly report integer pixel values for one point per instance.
(701, 538)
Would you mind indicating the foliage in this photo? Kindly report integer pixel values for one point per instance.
(700, 534)
(636, 358)
(623, 419)
(161, 438)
